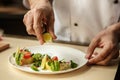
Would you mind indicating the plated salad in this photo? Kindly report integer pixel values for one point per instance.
(38, 61)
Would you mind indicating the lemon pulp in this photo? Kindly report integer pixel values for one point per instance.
(47, 37)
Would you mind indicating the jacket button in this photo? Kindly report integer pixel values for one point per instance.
(116, 1)
(75, 24)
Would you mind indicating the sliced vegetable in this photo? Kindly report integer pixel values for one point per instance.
(21, 62)
(48, 67)
(37, 64)
(73, 64)
(33, 67)
(55, 58)
(55, 65)
(44, 60)
(52, 66)
(37, 57)
(17, 56)
(27, 55)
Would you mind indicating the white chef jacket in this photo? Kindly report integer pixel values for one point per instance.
(78, 21)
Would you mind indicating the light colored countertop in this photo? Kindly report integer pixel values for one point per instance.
(7, 72)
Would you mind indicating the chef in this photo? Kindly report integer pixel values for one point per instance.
(76, 21)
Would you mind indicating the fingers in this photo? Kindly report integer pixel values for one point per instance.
(102, 55)
(105, 56)
(32, 21)
(51, 26)
(38, 25)
(107, 60)
(28, 21)
(91, 48)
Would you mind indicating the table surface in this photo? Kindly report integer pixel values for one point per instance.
(7, 72)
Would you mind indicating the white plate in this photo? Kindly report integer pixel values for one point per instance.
(62, 52)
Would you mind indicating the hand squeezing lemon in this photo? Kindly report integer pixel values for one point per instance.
(47, 37)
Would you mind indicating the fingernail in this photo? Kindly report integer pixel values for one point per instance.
(41, 42)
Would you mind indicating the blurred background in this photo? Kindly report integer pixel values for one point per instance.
(11, 17)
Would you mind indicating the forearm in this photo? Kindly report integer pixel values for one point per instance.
(33, 3)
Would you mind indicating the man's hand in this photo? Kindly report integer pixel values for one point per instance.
(40, 14)
(108, 41)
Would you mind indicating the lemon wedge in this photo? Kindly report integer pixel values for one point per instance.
(47, 37)
(44, 60)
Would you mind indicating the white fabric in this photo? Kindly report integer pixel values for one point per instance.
(90, 15)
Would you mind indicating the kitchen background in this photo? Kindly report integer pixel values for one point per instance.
(11, 17)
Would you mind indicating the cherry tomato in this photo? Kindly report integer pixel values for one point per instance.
(55, 58)
(27, 55)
